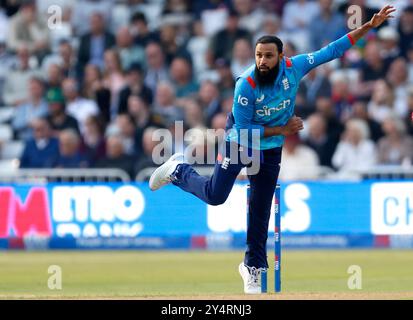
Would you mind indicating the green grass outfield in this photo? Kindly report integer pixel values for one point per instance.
(201, 274)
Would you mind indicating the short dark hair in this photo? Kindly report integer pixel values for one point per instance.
(138, 16)
(271, 39)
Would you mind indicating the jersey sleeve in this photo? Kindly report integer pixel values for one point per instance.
(305, 62)
(243, 107)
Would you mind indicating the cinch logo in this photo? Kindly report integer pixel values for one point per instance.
(266, 111)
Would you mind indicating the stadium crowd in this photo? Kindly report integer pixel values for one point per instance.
(89, 86)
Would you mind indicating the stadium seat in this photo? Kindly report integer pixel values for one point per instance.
(12, 150)
(6, 132)
(6, 114)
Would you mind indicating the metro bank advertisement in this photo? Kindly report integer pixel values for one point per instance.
(132, 210)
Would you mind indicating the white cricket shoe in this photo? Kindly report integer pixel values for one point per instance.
(163, 175)
(251, 278)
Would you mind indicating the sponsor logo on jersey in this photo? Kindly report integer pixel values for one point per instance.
(267, 111)
(310, 58)
(260, 99)
(242, 100)
(285, 83)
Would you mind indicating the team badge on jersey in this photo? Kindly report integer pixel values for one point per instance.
(286, 84)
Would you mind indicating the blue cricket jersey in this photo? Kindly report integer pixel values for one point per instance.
(255, 107)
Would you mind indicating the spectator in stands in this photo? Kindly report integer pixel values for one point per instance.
(127, 129)
(57, 116)
(296, 19)
(326, 26)
(299, 162)
(381, 105)
(408, 120)
(94, 89)
(134, 86)
(223, 41)
(218, 123)
(113, 78)
(29, 29)
(177, 7)
(169, 41)
(65, 58)
(313, 86)
(405, 30)
(226, 80)
(165, 103)
(242, 57)
(116, 157)
(156, 69)
(197, 46)
(410, 62)
(199, 7)
(200, 148)
(42, 150)
(129, 52)
(69, 151)
(7, 61)
(271, 24)
(396, 147)
(355, 151)
(149, 158)
(209, 100)
(78, 107)
(389, 44)
(93, 142)
(35, 107)
(372, 67)
(17, 81)
(359, 111)
(319, 140)
(182, 77)
(342, 95)
(143, 118)
(193, 114)
(398, 77)
(325, 106)
(248, 14)
(93, 44)
(84, 10)
(54, 77)
(140, 30)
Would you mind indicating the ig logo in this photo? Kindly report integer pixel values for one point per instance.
(242, 100)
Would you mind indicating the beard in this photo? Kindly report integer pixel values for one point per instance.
(267, 78)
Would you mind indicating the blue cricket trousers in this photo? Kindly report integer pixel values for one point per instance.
(215, 191)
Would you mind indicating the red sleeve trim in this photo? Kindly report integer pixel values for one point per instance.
(251, 82)
(351, 39)
(288, 62)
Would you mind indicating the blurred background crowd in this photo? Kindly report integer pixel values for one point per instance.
(88, 86)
